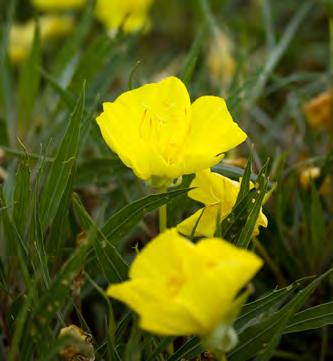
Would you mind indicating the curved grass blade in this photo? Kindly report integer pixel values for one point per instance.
(61, 168)
(311, 318)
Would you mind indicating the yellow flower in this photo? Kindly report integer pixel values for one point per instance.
(181, 288)
(130, 15)
(21, 36)
(219, 195)
(220, 60)
(49, 5)
(156, 130)
(318, 111)
(307, 175)
(311, 174)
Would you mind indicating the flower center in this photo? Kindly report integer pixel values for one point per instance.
(174, 284)
(165, 128)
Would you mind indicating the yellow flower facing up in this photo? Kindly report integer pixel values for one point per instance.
(51, 5)
(181, 288)
(21, 36)
(219, 195)
(158, 133)
(130, 15)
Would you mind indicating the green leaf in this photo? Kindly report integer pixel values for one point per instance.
(261, 187)
(311, 318)
(20, 323)
(6, 86)
(245, 183)
(28, 86)
(99, 171)
(53, 299)
(72, 46)
(22, 194)
(121, 222)
(317, 225)
(261, 308)
(262, 339)
(111, 262)
(61, 168)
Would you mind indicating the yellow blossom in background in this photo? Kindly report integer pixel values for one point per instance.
(308, 174)
(22, 35)
(318, 111)
(311, 174)
(181, 288)
(157, 132)
(219, 195)
(220, 60)
(51, 5)
(130, 15)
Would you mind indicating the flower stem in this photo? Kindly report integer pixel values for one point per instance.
(163, 218)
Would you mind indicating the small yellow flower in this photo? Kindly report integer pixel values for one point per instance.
(181, 288)
(312, 174)
(157, 132)
(50, 5)
(219, 195)
(21, 36)
(220, 60)
(130, 15)
(308, 174)
(318, 111)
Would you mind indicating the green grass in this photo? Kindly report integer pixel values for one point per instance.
(72, 215)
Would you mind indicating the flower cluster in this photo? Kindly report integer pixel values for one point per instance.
(175, 286)
(128, 15)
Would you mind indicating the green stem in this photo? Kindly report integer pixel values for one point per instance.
(163, 218)
(272, 265)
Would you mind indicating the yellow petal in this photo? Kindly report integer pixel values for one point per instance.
(212, 188)
(169, 257)
(118, 126)
(231, 269)
(205, 226)
(212, 132)
(50, 5)
(146, 126)
(131, 15)
(157, 313)
(261, 222)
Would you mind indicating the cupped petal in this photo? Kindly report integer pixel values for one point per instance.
(262, 221)
(212, 133)
(169, 259)
(209, 298)
(241, 265)
(205, 221)
(119, 127)
(157, 312)
(212, 188)
(165, 115)
(147, 126)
